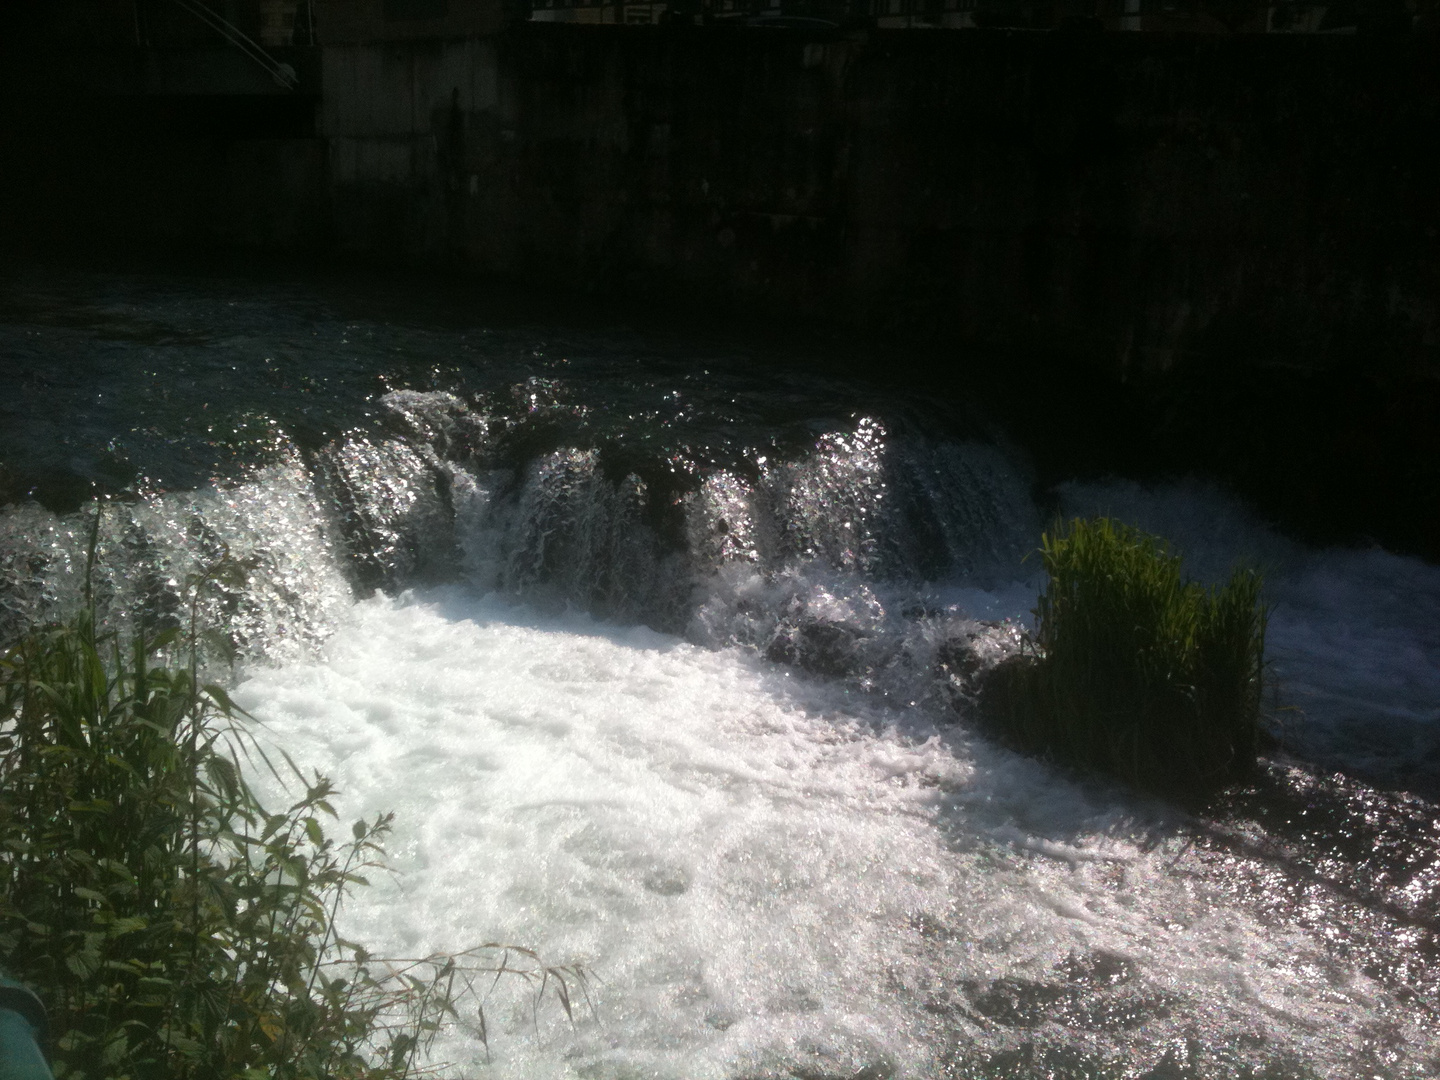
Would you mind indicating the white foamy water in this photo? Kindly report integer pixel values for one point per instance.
(773, 877)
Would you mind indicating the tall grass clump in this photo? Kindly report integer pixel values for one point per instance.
(1136, 672)
(172, 925)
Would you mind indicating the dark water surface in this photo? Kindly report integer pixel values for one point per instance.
(119, 380)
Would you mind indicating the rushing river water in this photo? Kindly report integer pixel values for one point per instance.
(663, 656)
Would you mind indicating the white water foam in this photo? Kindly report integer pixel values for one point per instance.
(774, 877)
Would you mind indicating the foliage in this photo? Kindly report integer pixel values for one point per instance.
(171, 924)
(1136, 672)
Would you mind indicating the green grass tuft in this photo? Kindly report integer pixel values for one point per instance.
(1136, 672)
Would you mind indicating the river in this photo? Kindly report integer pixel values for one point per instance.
(658, 650)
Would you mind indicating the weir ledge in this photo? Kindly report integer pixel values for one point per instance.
(1246, 222)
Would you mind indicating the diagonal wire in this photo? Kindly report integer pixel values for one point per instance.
(283, 74)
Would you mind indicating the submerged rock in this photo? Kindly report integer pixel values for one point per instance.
(821, 1063)
(1097, 991)
(970, 653)
(439, 420)
(825, 648)
(390, 502)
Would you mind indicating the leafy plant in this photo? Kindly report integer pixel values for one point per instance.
(1134, 671)
(172, 925)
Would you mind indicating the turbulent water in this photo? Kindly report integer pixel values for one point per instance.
(665, 656)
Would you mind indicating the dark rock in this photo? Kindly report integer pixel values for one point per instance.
(970, 654)
(667, 881)
(389, 500)
(1090, 1000)
(1019, 1002)
(1098, 968)
(825, 648)
(441, 421)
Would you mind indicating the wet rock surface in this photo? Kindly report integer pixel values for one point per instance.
(825, 648)
(1357, 865)
(816, 1063)
(1187, 1059)
(440, 420)
(389, 501)
(1094, 991)
(970, 653)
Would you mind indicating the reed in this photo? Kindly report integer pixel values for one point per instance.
(173, 925)
(1134, 671)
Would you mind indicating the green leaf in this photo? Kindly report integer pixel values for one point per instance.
(163, 639)
(222, 698)
(83, 964)
(115, 1049)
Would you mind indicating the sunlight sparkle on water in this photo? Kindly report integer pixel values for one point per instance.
(766, 874)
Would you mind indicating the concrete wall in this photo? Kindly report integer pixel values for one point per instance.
(339, 22)
(1133, 199)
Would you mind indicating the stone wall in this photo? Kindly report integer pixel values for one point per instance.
(1134, 199)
